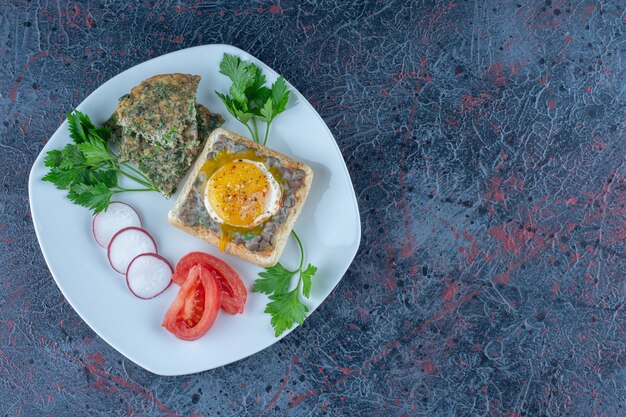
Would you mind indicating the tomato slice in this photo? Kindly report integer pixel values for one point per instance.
(195, 308)
(234, 292)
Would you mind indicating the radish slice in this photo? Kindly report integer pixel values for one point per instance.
(148, 275)
(127, 244)
(107, 223)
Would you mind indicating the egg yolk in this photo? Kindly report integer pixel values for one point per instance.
(238, 192)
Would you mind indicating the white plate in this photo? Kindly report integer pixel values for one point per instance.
(329, 226)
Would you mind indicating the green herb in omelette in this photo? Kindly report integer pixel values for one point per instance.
(249, 235)
(250, 100)
(87, 169)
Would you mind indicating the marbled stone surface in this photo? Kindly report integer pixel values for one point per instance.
(486, 144)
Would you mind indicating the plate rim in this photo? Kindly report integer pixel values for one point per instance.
(69, 299)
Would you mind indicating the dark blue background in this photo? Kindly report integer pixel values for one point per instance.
(486, 144)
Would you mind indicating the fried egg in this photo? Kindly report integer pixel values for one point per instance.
(242, 193)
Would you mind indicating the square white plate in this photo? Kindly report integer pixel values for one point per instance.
(329, 226)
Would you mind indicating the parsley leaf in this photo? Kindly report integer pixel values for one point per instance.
(102, 132)
(280, 95)
(239, 111)
(306, 275)
(106, 177)
(79, 123)
(258, 100)
(64, 178)
(286, 310)
(258, 81)
(231, 65)
(274, 279)
(238, 72)
(285, 306)
(96, 197)
(257, 93)
(53, 158)
(268, 111)
(71, 156)
(249, 98)
(87, 168)
(95, 153)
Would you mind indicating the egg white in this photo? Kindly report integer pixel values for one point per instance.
(272, 204)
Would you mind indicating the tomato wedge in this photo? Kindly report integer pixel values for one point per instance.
(234, 292)
(195, 308)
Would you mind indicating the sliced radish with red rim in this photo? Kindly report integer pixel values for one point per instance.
(127, 244)
(148, 275)
(107, 223)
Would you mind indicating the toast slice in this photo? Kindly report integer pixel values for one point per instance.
(266, 245)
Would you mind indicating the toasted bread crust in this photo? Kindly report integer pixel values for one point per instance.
(271, 255)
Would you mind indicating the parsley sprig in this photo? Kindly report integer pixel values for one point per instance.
(250, 100)
(286, 306)
(87, 168)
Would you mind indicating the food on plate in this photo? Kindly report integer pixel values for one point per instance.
(134, 147)
(107, 223)
(160, 127)
(231, 191)
(160, 108)
(241, 196)
(131, 250)
(234, 292)
(206, 284)
(88, 169)
(242, 193)
(249, 99)
(165, 166)
(207, 123)
(148, 275)
(127, 244)
(195, 308)
(285, 306)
